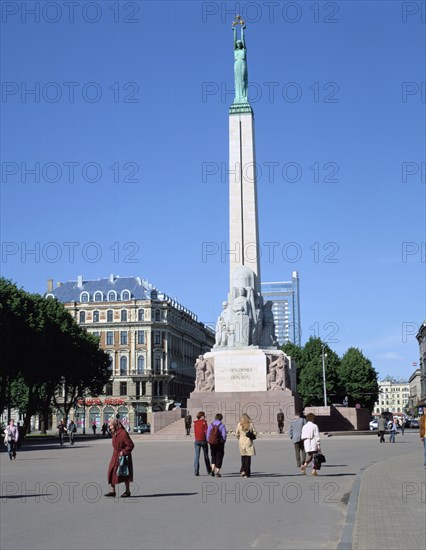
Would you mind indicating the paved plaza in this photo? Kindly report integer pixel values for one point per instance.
(368, 495)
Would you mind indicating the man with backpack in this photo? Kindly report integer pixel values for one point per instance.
(216, 438)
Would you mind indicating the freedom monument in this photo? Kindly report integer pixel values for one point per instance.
(245, 372)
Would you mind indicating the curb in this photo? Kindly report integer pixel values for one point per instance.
(346, 538)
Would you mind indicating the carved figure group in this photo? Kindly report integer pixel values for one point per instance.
(204, 375)
(276, 374)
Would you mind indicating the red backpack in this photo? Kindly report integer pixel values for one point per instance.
(215, 437)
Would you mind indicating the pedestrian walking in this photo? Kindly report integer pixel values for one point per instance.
(11, 439)
(120, 469)
(61, 430)
(381, 426)
(188, 423)
(280, 421)
(245, 443)
(200, 443)
(104, 428)
(295, 434)
(311, 440)
(422, 426)
(94, 427)
(392, 431)
(402, 425)
(216, 438)
(72, 429)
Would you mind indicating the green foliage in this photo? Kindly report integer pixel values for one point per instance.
(311, 385)
(44, 351)
(358, 379)
(352, 375)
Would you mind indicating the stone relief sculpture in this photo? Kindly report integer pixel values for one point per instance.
(276, 374)
(245, 320)
(204, 375)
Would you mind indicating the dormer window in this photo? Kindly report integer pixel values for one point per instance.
(125, 295)
(112, 296)
(98, 296)
(84, 297)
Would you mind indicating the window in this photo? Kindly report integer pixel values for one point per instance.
(141, 364)
(123, 388)
(110, 338)
(82, 317)
(96, 316)
(123, 365)
(160, 388)
(98, 297)
(110, 316)
(157, 338)
(108, 389)
(125, 295)
(112, 296)
(157, 364)
(157, 315)
(84, 297)
(97, 334)
(141, 337)
(141, 315)
(111, 363)
(123, 337)
(143, 388)
(123, 315)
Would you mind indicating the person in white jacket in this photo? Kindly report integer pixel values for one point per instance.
(311, 440)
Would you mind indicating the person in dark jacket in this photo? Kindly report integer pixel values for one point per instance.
(200, 443)
(295, 434)
(217, 449)
(280, 421)
(381, 426)
(123, 446)
(188, 423)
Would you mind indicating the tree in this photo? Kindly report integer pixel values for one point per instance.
(310, 372)
(358, 379)
(46, 358)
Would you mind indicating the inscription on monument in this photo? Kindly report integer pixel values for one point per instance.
(240, 372)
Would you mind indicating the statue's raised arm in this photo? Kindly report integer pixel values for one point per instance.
(240, 63)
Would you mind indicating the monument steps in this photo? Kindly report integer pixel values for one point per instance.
(175, 428)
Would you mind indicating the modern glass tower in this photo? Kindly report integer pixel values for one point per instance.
(286, 308)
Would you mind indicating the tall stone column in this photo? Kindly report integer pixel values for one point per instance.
(244, 231)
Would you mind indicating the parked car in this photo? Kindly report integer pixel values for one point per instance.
(142, 428)
(414, 423)
(374, 425)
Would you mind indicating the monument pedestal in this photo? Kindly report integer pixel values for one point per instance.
(244, 385)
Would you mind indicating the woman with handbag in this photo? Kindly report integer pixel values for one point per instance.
(311, 440)
(246, 434)
(120, 467)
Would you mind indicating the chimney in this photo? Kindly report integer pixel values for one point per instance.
(80, 281)
(58, 284)
(111, 278)
(49, 285)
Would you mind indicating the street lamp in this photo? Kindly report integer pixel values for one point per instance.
(323, 356)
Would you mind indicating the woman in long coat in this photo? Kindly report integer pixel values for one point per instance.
(311, 440)
(245, 444)
(123, 446)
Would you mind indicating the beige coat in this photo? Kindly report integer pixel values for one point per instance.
(244, 443)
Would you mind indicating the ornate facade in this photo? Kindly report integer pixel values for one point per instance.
(152, 340)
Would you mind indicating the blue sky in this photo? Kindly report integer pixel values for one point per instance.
(127, 133)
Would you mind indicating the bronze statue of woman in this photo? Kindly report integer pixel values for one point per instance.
(240, 68)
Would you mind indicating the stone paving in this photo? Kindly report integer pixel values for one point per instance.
(52, 497)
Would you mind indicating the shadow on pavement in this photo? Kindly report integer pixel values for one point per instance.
(165, 495)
